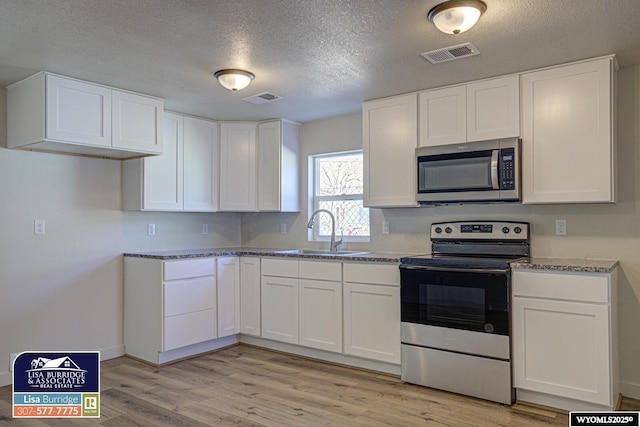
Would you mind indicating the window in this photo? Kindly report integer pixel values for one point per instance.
(337, 187)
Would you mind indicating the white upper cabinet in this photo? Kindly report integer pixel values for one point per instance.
(184, 177)
(278, 155)
(568, 122)
(162, 181)
(390, 137)
(443, 116)
(200, 165)
(238, 166)
(77, 111)
(47, 112)
(493, 109)
(487, 109)
(136, 122)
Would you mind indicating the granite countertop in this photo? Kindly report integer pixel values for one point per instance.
(282, 253)
(567, 264)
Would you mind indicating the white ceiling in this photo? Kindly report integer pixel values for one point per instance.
(323, 56)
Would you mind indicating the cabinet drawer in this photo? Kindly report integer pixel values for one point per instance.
(186, 296)
(372, 274)
(187, 329)
(564, 286)
(280, 267)
(185, 269)
(320, 270)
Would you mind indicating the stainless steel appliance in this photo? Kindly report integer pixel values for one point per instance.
(455, 321)
(482, 171)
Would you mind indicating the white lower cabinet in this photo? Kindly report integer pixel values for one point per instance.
(228, 292)
(320, 305)
(250, 296)
(177, 308)
(302, 303)
(280, 308)
(371, 299)
(564, 339)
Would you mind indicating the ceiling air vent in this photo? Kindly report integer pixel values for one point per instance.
(262, 98)
(451, 53)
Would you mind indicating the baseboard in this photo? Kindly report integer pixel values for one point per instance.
(6, 377)
(112, 352)
(326, 356)
(631, 390)
(557, 402)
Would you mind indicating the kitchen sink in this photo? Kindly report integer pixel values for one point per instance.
(319, 252)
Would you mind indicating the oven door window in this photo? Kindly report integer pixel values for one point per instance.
(461, 305)
(455, 172)
(470, 301)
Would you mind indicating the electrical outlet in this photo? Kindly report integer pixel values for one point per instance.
(151, 229)
(39, 227)
(205, 228)
(561, 227)
(385, 227)
(283, 228)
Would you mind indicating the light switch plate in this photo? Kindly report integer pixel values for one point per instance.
(385, 227)
(151, 229)
(39, 227)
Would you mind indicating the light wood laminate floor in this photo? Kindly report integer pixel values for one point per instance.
(248, 386)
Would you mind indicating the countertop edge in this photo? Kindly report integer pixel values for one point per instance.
(575, 265)
(381, 257)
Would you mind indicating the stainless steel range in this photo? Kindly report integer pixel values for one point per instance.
(455, 306)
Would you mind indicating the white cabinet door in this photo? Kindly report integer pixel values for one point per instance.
(278, 154)
(443, 116)
(162, 175)
(390, 137)
(562, 348)
(200, 165)
(372, 321)
(137, 122)
(567, 134)
(493, 109)
(269, 147)
(238, 167)
(77, 112)
(228, 296)
(320, 306)
(190, 328)
(280, 309)
(250, 296)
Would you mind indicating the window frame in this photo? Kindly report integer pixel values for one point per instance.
(315, 199)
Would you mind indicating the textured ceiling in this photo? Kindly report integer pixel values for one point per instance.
(323, 56)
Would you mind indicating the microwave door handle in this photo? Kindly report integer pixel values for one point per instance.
(494, 170)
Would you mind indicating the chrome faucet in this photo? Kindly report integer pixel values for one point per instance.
(333, 245)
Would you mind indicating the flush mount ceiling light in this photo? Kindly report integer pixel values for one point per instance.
(456, 16)
(234, 79)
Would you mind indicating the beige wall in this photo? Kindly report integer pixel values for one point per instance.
(63, 290)
(609, 231)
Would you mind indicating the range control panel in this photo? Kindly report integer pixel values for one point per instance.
(480, 230)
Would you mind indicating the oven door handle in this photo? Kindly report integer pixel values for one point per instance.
(459, 270)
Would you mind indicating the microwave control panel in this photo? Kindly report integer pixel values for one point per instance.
(507, 169)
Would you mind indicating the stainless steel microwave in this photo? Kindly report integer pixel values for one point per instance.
(482, 171)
